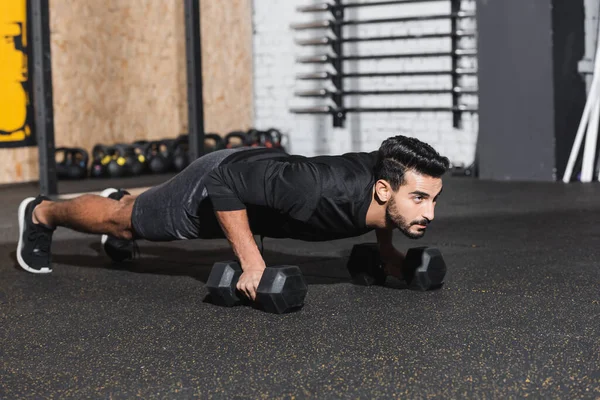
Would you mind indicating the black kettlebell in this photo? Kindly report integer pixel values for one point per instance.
(133, 165)
(72, 162)
(79, 162)
(62, 160)
(117, 165)
(275, 137)
(100, 160)
(253, 137)
(159, 156)
(181, 157)
(140, 148)
(240, 139)
(213, 142)
(262, 138)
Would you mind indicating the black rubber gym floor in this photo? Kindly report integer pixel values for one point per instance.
(518, 316)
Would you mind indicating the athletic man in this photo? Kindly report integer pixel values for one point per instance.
(239, 193)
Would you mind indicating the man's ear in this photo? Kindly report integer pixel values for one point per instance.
(383, 191)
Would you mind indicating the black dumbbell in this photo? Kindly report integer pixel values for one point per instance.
(281, 289)
(423, 269)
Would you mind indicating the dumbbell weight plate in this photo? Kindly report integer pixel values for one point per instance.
(365, 265)
(430, 268)
(281, 289)
(219, 283)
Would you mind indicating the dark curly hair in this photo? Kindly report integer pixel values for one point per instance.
(400, 153)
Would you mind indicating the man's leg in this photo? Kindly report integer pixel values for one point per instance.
(163, 213)
(39, 217)
(88, 214)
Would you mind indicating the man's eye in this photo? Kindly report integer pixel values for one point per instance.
(418, 199)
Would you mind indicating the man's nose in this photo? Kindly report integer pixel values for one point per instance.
(429, 213)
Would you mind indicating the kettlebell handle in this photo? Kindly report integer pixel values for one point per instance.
(243, 136)
(85, 157)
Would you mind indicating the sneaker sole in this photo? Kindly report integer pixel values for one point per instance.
(106, 193)
(22, 262)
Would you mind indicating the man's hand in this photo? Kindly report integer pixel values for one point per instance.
(249, 280)
(392, 261)
(237, 230)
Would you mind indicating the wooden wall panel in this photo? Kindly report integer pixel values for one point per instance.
(226, 28)
(118, 70)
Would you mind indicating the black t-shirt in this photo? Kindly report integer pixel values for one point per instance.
(307, 198)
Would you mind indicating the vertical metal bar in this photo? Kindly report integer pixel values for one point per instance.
(338, 64)
(194, 78)
(42, 95)
(456, 115)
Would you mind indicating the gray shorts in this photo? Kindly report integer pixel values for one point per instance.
(170, 211)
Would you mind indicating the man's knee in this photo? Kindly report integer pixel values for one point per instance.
(121, 218)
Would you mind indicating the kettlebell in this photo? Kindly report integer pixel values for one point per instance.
(73, 163)
(100, 160)
(262, 138)
(213, 142)
(117, 165)
(62, 161)
(140, 147)
(133, 165)
(244, 140)
(181, 157)
(275, 137)
(79, 162)
(159, 156)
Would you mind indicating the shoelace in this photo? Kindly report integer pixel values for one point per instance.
(41, 242)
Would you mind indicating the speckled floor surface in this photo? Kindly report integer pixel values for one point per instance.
(519, 315)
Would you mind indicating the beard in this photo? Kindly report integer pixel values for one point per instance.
(394, 218)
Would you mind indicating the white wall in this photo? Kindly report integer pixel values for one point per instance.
(275, 69)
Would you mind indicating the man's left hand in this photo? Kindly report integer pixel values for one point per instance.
(392, 261)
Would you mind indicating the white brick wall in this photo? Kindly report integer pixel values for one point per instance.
(275, 70)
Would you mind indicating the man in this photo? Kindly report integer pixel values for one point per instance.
(239, 193)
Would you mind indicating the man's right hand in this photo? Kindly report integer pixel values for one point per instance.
(249, 280)
(237, 230)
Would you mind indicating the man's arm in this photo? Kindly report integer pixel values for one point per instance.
(290, 188)
(384, 239)
(237, 230)
(392, 259)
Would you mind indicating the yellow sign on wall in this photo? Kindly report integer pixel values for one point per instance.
(15, 106)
